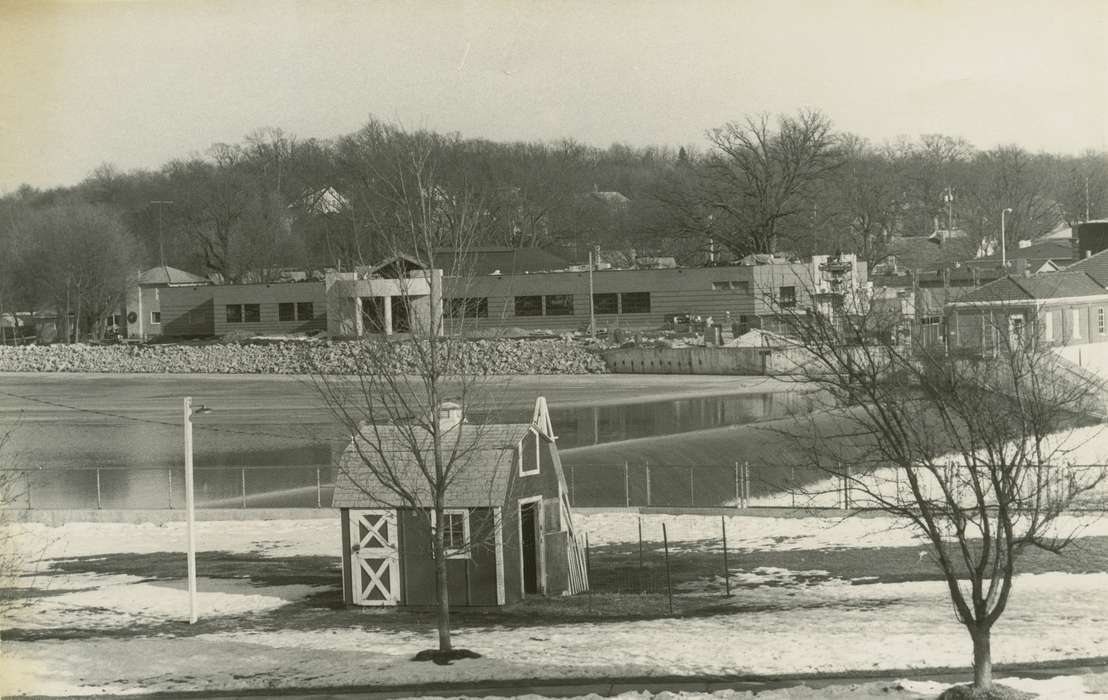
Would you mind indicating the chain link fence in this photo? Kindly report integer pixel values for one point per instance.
(623, 485)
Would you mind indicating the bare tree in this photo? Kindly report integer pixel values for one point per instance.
(968, 448)
(403, 450)
(761, 174)
(75, 259)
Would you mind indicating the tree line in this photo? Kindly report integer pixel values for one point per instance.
(788, 184)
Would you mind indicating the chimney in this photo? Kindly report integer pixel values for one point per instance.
(450, 416)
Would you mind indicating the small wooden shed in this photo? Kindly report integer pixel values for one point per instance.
(509, 531)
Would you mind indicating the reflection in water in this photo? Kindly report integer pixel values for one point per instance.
(122, 464)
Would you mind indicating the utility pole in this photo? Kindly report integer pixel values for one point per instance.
(1003, 251)
(161, 237)
(1086, 198)
(592, 305)
(948, 197)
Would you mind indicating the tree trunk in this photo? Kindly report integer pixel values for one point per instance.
(442, 584)
(982, 658)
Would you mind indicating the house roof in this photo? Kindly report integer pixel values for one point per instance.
(1095, 265)
(164, 274)
(491, 260)
(1050, 285)
(1055, 249)
(921, 253)
(482, 467)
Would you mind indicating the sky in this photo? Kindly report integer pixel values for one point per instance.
(136, 84)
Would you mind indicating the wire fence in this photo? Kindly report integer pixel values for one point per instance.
(607, 485)
(104, 488)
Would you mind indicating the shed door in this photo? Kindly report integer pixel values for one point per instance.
(374, 561)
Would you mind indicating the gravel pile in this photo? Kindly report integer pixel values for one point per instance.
(473, 356)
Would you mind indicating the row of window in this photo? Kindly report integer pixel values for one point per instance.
(553, 305)
(286, 311)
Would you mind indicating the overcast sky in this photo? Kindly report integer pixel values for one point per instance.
(136, 84)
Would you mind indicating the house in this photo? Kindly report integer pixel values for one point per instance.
(509, 531)
(1063, 309)
(143, 305)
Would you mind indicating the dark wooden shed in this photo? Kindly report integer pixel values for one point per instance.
(510, 530)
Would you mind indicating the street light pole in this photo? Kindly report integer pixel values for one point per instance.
(190, 515)
(1003, 249)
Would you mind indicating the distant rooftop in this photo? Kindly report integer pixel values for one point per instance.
(170, 276)
(490, 260)
(1050, 285)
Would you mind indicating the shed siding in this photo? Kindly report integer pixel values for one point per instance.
(472, 581)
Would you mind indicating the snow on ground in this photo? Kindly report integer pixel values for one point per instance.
(275, 538)
(779, 534)
(107, 602)
(797, 622)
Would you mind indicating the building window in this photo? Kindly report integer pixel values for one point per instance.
(1076, 314)
(155, 318)
(559, 305)
(468, 307)
(529, 454)
(1100, 325)
(786, 297)
(737, 285)
(298, 311)
(635, 302)
(455, 533)
(529, 306)
(605, 303)
(244, 313)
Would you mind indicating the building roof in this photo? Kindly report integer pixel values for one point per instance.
(491, 260)
(164, 274)
(1051, 285)
(1095, 265)
(486, 456)
(921, 253)
(1059, 250)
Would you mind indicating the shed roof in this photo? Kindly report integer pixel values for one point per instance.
(1050, 285)
(482, 467)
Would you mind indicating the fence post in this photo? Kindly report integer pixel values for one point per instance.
(318, 489)
(792, 484)
(243, 470)
(642, 586)
(99, 504)
(846, 495)
(726, 568)
(746, 484)
(692, 488)
(669, 585)
(646, 465)
(738, 488)
(588, 568)
(170, 484)
(626, 486)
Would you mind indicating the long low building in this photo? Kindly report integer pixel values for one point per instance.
(398, 295)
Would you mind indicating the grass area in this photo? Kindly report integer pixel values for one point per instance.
(620, 592)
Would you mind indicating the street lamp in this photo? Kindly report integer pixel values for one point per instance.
(190, 504)
(1003, 249)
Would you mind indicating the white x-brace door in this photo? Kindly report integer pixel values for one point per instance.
(374, 560)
